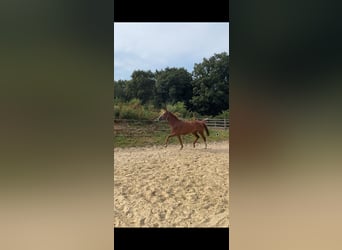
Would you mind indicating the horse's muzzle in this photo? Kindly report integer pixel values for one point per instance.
(159, 118)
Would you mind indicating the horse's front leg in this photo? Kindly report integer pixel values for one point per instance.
(167, 139)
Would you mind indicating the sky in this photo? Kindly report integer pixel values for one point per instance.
(155, 46)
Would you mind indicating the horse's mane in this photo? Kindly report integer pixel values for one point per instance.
(173, 115)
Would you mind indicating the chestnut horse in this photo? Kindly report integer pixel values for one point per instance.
(179, 127)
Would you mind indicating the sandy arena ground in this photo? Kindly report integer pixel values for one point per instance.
(168, 187)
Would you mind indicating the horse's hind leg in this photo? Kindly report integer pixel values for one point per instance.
(195, 134)
(204, 139)
(180, 140)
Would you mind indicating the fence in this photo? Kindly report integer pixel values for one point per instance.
(218, 123)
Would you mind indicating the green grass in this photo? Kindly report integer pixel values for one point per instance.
(149, 135)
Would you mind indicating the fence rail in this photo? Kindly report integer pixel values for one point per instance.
(218, 123)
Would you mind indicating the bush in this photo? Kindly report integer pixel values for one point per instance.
(134, 110)
(179, 109)
(223, 115)
(134, 103)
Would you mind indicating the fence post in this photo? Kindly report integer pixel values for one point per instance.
(224, 121)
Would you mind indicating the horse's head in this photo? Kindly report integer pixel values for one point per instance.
(164, 114)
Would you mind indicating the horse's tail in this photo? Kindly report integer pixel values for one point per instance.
(206, 128)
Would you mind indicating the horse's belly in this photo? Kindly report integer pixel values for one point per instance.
(188, 129)
(187, 132)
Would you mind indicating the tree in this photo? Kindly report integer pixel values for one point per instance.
(141, 86)
(211, 85)
(119, 89)
(173, 85)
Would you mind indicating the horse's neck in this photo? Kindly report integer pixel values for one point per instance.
(172, 119)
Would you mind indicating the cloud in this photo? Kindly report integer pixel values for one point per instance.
(151, 46)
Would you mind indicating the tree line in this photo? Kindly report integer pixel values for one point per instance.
(205, 90)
